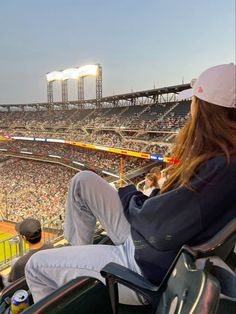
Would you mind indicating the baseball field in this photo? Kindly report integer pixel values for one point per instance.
(7, 249)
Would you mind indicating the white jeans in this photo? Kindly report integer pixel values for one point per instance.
(89, 198)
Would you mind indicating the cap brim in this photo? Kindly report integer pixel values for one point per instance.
(185, 94)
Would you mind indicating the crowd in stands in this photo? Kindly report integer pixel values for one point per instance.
(3, 158)
(40, 188)
(172, 123)
(90, 157)
(139, 128)
(109, 139)
(31, 188)
(152, 125)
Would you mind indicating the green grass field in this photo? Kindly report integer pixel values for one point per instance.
(6, 249)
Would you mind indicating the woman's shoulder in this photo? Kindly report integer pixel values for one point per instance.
(220, 161)
(215, 169)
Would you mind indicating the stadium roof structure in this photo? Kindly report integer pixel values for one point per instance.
(148, 97)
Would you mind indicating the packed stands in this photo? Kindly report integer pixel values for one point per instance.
(141, 128)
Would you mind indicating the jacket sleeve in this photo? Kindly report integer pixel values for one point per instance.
(127, 192)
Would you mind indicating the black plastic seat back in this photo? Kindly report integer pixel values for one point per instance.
(82, 295)
(185, 289)
(221, 245)
(189, 290)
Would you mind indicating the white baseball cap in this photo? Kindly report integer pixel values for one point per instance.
(216, 85)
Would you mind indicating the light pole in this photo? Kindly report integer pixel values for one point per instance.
(6, 211)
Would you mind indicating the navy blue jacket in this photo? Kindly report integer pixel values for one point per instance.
(160, 225)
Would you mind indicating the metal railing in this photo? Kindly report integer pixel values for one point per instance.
(10, 249)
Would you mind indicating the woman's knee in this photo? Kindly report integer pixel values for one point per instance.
(82, 177)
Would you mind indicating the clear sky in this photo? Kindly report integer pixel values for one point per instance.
(139, 43)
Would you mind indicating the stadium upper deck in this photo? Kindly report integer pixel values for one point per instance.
(140, 127)
(153, 96)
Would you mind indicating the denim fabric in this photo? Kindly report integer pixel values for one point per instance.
(89, 198)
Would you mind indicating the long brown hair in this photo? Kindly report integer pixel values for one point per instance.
(211, 131)
(152, 177)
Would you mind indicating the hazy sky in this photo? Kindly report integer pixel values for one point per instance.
(139, 43)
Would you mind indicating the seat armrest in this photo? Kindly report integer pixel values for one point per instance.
(115, 273)
(127, 276)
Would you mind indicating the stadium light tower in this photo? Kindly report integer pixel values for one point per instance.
(99, 85)
(81, 89)
(51, 78)
(64, 91)
(77, 74)
(50, 92)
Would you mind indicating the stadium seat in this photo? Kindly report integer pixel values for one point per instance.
(221, 245)
(184, 289)
(82, 295)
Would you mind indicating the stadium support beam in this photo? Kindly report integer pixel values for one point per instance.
(81, 89)
(50, 92)
(64, 91)
(99, 86)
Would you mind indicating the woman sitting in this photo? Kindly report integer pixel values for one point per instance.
(196, 201)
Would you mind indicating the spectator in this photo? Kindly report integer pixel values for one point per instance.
(150, 184)
(162, 179)
(30, 231)
(197, 200)
(159, 175)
